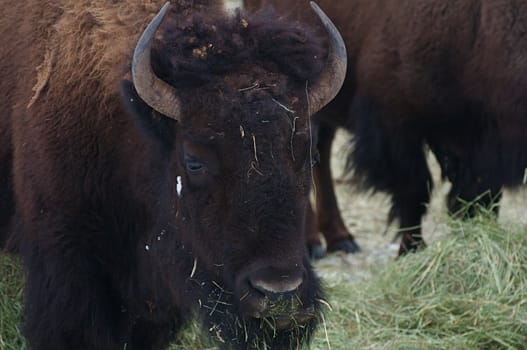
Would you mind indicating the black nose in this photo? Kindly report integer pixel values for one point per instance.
(273, 281)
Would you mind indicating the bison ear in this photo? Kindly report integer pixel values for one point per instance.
(149, 122)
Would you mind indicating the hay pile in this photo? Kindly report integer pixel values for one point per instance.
(466, 291)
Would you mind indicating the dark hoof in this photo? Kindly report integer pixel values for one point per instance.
(316, 251)
(413, 247)
(347, 245)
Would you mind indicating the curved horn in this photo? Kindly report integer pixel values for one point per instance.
(154, 91)
(332, 76)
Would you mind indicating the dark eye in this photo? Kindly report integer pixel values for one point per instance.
(194, 166)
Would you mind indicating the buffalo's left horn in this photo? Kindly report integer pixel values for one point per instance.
(154, 91)
(332, 76)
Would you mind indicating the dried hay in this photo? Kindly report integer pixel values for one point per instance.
(468, 290)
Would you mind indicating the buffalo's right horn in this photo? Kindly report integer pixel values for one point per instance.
(155, 92)
(332, 76)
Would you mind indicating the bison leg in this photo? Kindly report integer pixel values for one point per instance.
(409, 206)
(391, 158)
(329, 220)
(473, 183)
(465, 204)
(315, 247)
(7, 205)
(410, 195)
(410, 192)
(68, 303)
(6, 208)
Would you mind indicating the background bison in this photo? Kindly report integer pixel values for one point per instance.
(139, 190)
(447, 75)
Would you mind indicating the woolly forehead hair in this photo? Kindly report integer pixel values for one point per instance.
(206, 47)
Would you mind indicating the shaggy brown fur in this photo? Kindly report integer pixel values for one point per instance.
(117, 254)
(450, 74)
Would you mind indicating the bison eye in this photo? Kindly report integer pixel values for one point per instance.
(194, 166)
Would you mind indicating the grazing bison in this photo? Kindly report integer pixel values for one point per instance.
(149, 187)
(447, 75)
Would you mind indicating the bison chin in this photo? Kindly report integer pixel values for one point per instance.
(264, 321)
(283, 310)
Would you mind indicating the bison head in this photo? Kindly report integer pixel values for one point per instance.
(229, 100)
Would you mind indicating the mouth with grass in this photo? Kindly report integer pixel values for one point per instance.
(282, 311)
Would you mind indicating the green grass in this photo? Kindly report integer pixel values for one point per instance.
(466, 291)
(11, 288)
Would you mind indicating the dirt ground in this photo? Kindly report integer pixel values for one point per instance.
(365, 215)
(232, 4)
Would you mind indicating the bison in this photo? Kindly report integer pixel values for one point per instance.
(449, 76)
(151, 176)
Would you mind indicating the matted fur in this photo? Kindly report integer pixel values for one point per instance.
(122, 238)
